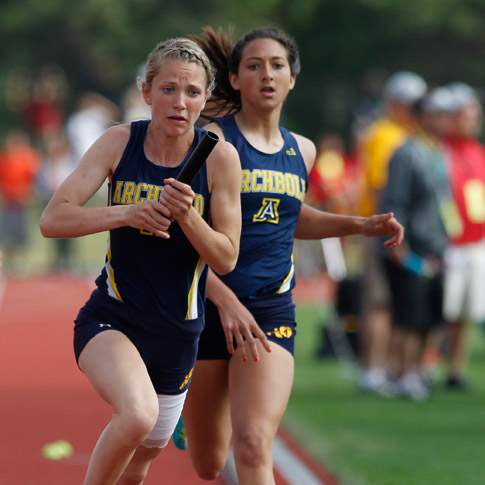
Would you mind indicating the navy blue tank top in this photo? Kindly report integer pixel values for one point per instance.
(161, 280)
(272, 190)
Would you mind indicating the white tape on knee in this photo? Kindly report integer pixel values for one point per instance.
(170, 410)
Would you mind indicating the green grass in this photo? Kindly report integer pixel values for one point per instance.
(367, 440)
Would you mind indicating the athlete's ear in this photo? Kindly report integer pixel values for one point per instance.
(234, 80)
(145, 91)
(292, 81)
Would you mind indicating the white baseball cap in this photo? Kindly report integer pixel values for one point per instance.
(463, 94)
(439, 100)
(405, 86)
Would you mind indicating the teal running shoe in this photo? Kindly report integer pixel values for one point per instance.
(179, 437)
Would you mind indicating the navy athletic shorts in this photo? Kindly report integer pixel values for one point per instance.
(275, 315)
(169, 355)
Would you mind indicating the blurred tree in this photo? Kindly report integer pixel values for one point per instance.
(100, 43)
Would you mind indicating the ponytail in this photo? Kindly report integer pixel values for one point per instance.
(218, 47)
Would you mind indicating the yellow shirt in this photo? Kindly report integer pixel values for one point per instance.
(377, 147)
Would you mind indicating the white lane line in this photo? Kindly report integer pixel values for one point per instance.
(291, 467)
(294, 471)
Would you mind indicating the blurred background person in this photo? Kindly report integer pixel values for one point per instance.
(132, 104)
(334, 185)
(418, 193)
(325, 184)
(41, 109)
(377, 145)
(57, 164)
(335, 178)
(93, 115)
(19, 164)
(465, 258)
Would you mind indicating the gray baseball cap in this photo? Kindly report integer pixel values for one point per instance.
(463, 94)
(405, 86)
(439, 100)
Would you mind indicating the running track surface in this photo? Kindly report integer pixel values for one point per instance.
(44, 398)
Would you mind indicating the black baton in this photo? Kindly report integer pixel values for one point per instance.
(198, 157)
